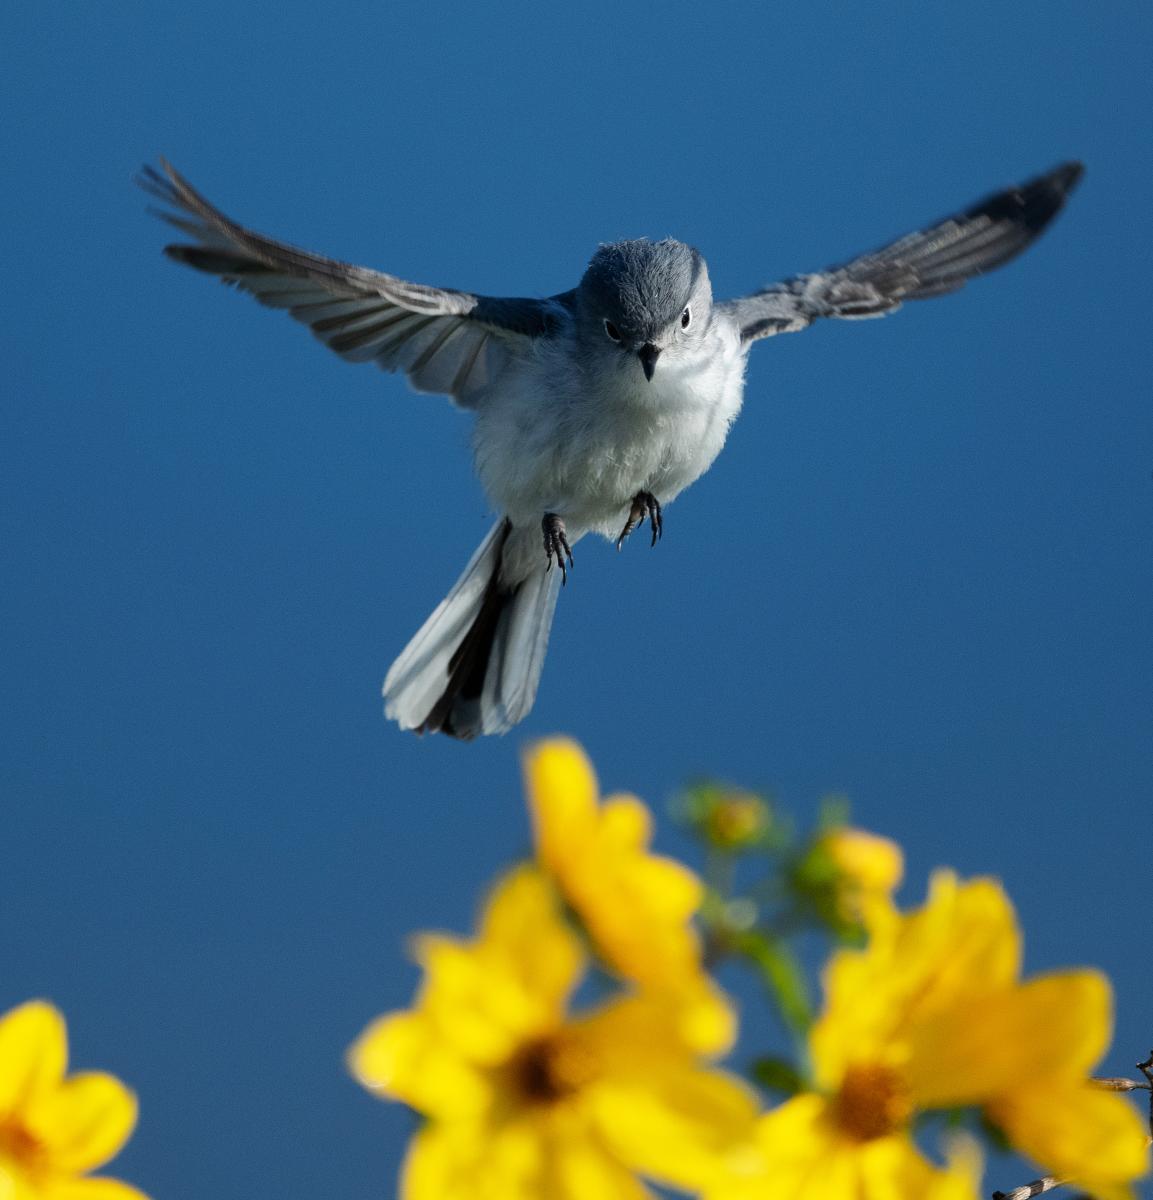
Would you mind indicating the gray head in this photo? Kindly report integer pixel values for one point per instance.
(641, 299)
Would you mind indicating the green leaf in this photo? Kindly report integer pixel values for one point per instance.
(995, 1135)
(777, 1075)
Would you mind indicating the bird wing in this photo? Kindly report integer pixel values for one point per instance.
(929, 262)
(444, 340)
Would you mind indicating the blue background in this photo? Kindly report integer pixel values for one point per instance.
(919, 574)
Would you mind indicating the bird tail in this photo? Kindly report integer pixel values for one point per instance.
(474, 665)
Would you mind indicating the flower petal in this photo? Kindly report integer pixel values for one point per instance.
(637, 922)
(578, 1164)
(802, 1156)
(892, 1168)
(675, 1123)
(853, 875)
(562, 799)
(706, 1020)
(671, 890)
(481, 1001)
(512, 983)
(963, 944)
(659, 1026)
(542, 1158)
(480, 1009)
(33, 1053)
(630, 1030)
(961, 1178)
(465, 1161)
(625, 823)
(1057, 1025)
(82, 1123)
(636, 907)
(14, 1183)
(1077, 1131)
(523, 930)
(866, 860)
(402, 1056)
(968, 932)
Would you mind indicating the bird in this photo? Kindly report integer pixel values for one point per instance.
(594, 408)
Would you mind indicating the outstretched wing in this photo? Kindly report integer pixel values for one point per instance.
(930, 262)
(446, 341)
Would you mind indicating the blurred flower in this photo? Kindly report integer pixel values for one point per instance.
(54, 1130)
(526, 1103)
(802, 1157)
(636, 907)
(858, 868)
(931, 1014)
(728, 818)
(737, 819)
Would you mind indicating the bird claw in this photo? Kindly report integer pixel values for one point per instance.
(556, 547)
(644, 504)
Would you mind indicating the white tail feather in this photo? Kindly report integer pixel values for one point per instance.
(518, 652)
(419, 681)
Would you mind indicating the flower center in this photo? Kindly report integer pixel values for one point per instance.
(18, 1145)
(873, 1101)
(553, 1068)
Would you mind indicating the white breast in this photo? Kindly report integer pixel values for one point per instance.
(555, 436)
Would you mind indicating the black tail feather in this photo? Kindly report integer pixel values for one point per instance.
(469, 664)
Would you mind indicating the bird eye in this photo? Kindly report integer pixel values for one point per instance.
(612, 331)
(686, 317)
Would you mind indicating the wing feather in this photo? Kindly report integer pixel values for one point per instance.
(927, 263)
(445, 340)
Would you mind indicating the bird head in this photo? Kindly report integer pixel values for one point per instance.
(643, 299)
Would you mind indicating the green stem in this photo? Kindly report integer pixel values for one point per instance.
(782, 976)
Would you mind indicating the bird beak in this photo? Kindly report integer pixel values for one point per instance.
(648, 354)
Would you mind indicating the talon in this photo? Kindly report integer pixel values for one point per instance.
(656, 520)
(630, 525)
(644, 504)
(556, 547)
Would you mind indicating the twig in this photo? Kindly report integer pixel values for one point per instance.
(1146, 1069)
(1031, 1189)
(1117, 1083)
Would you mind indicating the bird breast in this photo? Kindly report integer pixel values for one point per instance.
(558, 433)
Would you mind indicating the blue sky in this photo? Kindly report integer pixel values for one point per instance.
(919, 574)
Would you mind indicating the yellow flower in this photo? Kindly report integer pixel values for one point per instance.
(932, 1014)
(729, 818)
(54, 1130)
(527, 1103)
(861, 870)
(804, 1156)
(636, 907)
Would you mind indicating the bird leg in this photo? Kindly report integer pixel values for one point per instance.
(645, 504)
(556, 547)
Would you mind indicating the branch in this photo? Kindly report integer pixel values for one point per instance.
(1116, 1083)
(1031, 1189)
(1146, 1069)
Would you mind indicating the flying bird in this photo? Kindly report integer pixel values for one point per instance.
(594, 408)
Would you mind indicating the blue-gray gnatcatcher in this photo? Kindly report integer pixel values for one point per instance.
(593, 408)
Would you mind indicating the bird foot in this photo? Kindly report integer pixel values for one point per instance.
(556, 547)
(645, 504)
